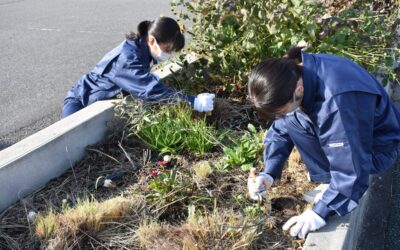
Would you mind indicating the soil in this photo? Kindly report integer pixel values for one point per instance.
(129, 164)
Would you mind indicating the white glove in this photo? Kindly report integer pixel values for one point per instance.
(259, 185)
(304, 223)
(204, 102)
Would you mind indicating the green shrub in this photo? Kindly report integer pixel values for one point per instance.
(233, 36)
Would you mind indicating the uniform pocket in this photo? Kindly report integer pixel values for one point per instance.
(339, 156)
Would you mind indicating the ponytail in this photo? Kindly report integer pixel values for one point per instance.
(142, 30)
(294, 53)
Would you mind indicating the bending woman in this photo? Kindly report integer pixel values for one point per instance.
(340, 119)
(126, 69)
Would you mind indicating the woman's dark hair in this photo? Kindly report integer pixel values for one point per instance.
(272, 83)
(164, 29)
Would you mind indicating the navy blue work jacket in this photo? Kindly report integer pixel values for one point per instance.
(352, 117)
(124, 69)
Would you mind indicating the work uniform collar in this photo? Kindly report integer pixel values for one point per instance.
(145, 47)
(310, 82)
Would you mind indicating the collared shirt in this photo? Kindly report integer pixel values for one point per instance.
(352, 117)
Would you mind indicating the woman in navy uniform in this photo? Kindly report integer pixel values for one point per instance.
(340, 119)
(127, 69)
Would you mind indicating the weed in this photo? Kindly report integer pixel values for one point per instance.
(255, 211)
(201, 231)
(163, 184)
(246, 152)
(87, 216)
(83, 216)
(169, 128)
(162, 131)
(199, 137)
(47, 225)
(202, 169)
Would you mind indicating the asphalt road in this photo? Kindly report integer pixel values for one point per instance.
(46, 45)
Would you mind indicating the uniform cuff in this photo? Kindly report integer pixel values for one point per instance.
(322, 210)
(191, 100)
(272, 168)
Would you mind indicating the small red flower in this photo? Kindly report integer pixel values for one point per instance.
(162, 163)
(156, 172)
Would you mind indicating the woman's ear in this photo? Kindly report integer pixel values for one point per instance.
(299, 87)
(151, 40)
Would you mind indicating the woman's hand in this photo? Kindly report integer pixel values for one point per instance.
(258, 184)
(204, 102)
(303, 224)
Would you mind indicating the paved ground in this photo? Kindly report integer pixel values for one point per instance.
(46, 45)
(393, 230)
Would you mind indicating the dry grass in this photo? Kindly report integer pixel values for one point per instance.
(216, 230)
(231, 114)
(114, 223)
(47, 225)
(87, 217)
(202, 169)
(294, 161)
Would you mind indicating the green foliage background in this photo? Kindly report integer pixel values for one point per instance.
(233, 36)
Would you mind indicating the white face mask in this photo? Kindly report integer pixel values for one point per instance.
(162, 56)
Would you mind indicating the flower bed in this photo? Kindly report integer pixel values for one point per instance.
(196, 200)
(125, 195)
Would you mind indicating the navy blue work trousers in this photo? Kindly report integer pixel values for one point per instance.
(71, 105)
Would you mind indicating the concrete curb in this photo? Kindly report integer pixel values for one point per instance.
(330, 237)
(31, 163)
(351, 230)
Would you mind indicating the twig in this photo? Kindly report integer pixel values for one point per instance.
(169, 204)
(146, 156)
(98, 242)
(127, 156)
(102, 153)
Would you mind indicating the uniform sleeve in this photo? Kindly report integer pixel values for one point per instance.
(346, 136)
(278, 146)
(135, 79)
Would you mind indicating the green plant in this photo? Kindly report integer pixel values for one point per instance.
(254, 211)
(163, 184)
(153, 123)
(233, 36)
(197, 137)
(160, 131)
(169, 128)
(239, 198)
(246, 152)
